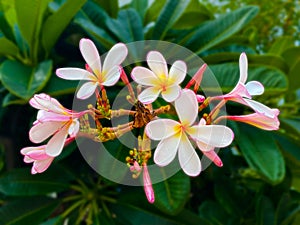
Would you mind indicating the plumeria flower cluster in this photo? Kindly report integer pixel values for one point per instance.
(180, 126)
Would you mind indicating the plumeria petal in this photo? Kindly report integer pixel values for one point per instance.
(69, 73)
(74, 128)
(143, 76)
(110, 78)
(41, 131)
(161, 129)
(44, 116)
(166, 150)
(157, 64)
(255, 88)
(238, 91)
(188, 158)
(90, 55)
(45, 102)
(87, 90)
(243, 64)
(171, 93)
(212, 155)
(187, 107)
(212, 135)
(41, 166)
(56, 143)
(148, 185)
(114, 57)
(37, 154)
(204, 147)
(177, 72)
(261, 108)
(149, 95)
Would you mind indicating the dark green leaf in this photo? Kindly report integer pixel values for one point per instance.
(140, 6)
(57, 86)
(10, 99)
(95, 13)
(8, 48)
(57, 22)
(264, 211)
(218, 30)
(30, 17)
(111, 6)
(171, 194)
(227, 74)
(20, 182)
(294, 76)
(24, 81)
(128, 27)
(31, 211)
(291, 56)
(213, 212)
(153, 11)
(5, 27)
(54, 221)
(169, 15)
(261, 152)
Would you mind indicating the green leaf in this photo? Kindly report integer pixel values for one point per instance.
(291, 56)
(281, 44)
(111, 6)
(264, 211)
(172, 193)
(30, 17)
(57, 86)
(31, 210)
(8, 48)
(20, 182)
(58, 21)
(227, 75)
(213, 212)
(294, 76)
(24, 81)
(287, 210)
(5, 27)
(10, 99)
(261, 152)
(140, 6)
(128, 27)
(218, 30)
(153, 11)
(169, 15)
(195, 14)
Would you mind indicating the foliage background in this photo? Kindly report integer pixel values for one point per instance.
(260, 180)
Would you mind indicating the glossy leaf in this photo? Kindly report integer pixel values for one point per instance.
(5, 27)
(24, 81)
(31, 210)
(8, 48)
(218, 30)
(281, 44)
(58, 21)
(169, 15)
(213, 212)
(55, 179)
(31, 12)
(291, 56)
(140, 6)
(127, 27)
(171, 194)
(264, 211)
(57, 86)
(294, 76)
(111, 6)
(11, 99)
(153, 11)
(261, 153)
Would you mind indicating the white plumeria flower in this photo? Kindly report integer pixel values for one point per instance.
(53, 119)
(173, 135)
(97, 75)
(158, 80)
(243, 91)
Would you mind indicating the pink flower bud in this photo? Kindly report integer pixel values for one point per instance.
(148, 185)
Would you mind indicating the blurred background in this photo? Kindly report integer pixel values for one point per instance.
(260, 180)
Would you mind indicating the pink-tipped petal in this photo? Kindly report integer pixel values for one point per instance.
(41, 166)
(204, 147)
(45, 102)
(212, 135)
(41, 131)
(56, 143)
(87, 90)
(74, 128)
(28, 159)
(243, 64)
(187, 107)
(212, 155)
(25, 151)
(166, 150)
(188, 158)
(238, 91)
(148, 185)
(255, 88)
(144, 76)
(90, 55)
(112, 77)
(261, 108)
(38, 155)
(177, 72)
(149, 95)
(161, 129)
(171, 93)
(157, 64)
(44, 116)
(75, 74)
